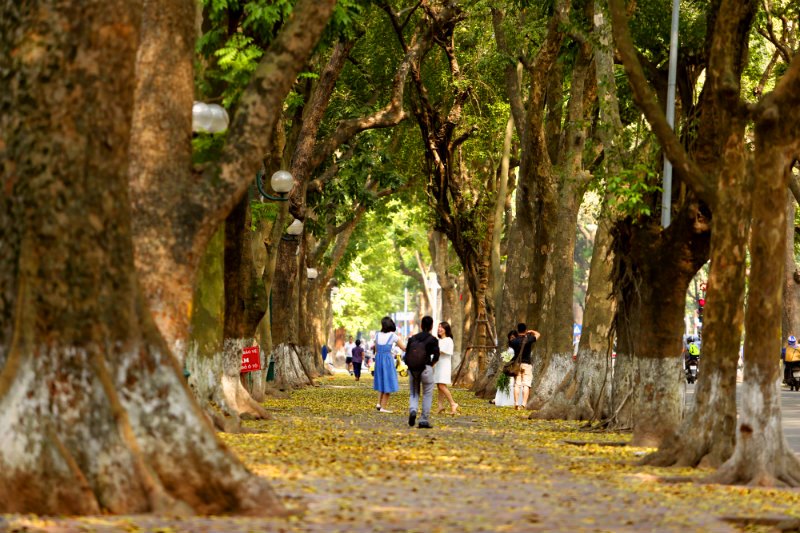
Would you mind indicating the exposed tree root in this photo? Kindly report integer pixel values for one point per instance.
(748, 522)
(758, 470)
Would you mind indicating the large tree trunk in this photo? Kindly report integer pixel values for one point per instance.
(160, 162)
(245, 306)
(553, 353)
(560, 189)
(762, 455)
(289, 370)
(95, 415)
(706, 434)
(584, 394)
(791, 275)
(651, 296)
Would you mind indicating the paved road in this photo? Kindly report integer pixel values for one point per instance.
(790, 408)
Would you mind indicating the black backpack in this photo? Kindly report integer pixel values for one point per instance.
(417, 356)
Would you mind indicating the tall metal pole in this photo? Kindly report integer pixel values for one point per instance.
(405, 310)
(666, 198)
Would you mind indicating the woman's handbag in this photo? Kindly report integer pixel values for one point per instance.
(512, 368)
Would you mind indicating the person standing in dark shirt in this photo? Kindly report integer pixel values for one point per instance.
(523, 380)
(425, 378)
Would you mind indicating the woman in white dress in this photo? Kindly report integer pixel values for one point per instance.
(504, 398)
(443, 368)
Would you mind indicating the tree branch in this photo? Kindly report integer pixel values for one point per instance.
(644, 97)
(511, 72)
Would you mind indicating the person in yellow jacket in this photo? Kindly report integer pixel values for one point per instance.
(791, 357)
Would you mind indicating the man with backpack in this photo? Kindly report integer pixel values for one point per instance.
(422, 352)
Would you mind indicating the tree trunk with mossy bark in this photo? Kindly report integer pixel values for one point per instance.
(791, 274)
(87, 379)
(585, 393)
(706, 433)
(245, 306)
(762, 455)
(289, 370)
(651, 296)
(560, 186)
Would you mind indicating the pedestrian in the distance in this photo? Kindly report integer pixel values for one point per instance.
(358, 358)
(385, 374)
(524, 378)
(443, 369)
(348, 354)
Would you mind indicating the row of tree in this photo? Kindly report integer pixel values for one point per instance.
(110, 211)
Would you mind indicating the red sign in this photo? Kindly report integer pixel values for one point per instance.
(251, 360)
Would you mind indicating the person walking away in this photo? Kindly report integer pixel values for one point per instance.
(348, 354)
(524, 378)
(443, 369)
(358, 358)
(422, 354)
(385, 374)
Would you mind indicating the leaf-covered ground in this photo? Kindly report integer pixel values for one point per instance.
(345, 467)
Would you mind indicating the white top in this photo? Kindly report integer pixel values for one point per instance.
(443, 369)
(446, 346)
(348, 348)
(382, 338)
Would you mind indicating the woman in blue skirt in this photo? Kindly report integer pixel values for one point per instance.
(385, 373)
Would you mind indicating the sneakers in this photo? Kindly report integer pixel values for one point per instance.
(424, 425)
(382, 410)
(412, 417)
(378, 407)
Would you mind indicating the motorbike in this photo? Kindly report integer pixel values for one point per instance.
(691, 368)
(400, 365)
(793, 375)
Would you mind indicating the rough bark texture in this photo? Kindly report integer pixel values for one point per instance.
(521, 277)
(560, 187)
(289, 371)
(649, 323)
(791, 275)
(585, 393)
(706, 434)
(245, 306)
(94, 414)
(160, 164)
(761, 455)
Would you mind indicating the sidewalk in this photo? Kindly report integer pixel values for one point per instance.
(350, 468)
